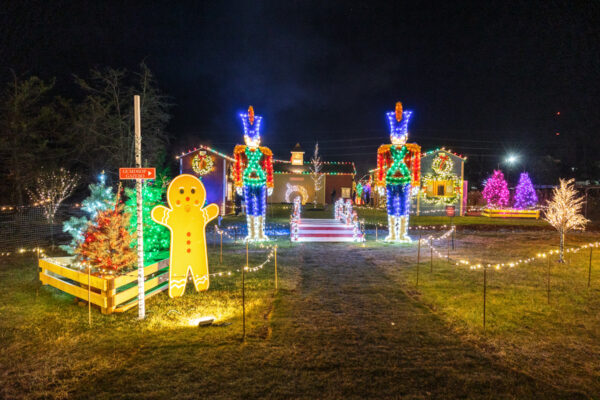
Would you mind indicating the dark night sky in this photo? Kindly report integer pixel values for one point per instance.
(484, 78)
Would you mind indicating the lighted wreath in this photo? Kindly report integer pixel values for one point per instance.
(202, 164)
(442, 164)
(290, 189)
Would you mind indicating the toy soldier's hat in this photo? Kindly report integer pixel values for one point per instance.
(398, 120)
(251, 124)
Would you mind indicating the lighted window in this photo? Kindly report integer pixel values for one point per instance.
(297, 158)
(441, 189)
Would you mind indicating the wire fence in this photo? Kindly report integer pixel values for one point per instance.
(27, 227)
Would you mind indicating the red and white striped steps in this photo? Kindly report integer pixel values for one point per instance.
(324, 230)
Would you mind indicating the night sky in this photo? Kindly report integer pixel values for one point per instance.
(484, 78)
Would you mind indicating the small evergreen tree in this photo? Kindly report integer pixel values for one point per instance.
(525, 196)
(496, 192)
(157, 238)
(107, 245)
(101, 198)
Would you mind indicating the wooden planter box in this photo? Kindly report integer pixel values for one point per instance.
(510, 213)
(111, 293)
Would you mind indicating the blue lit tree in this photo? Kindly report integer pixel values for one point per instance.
(101, 198)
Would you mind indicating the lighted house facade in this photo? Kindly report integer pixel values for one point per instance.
(214, 169)
(293, 178)
(442, 184)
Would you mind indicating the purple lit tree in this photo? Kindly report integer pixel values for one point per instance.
(496, 192)
(525, 196)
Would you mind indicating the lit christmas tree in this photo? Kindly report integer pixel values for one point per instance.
(101, 198)
(156, 237)
(496, 191)
(525, 196)
(315, 172)
(564, 211)
(107, 245)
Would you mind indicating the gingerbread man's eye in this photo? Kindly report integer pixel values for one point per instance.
(193, 190)
(181, 191)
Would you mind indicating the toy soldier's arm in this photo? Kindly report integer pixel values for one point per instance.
(267, 165)
(382, 166)
(238, 169)
(413, 162)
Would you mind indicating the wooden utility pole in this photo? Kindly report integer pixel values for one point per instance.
(140, 222)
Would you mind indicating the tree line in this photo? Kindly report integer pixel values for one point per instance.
(42, 131)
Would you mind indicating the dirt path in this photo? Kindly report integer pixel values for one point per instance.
(356, 334)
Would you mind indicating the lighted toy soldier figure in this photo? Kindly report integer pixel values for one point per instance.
(398, 165)
(253, 175)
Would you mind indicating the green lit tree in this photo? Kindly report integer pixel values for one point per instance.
(157, 238)
(101, 198)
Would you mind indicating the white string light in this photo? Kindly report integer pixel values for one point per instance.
(509, 264)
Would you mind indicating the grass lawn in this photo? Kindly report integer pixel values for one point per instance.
(557, 342)
(347, 322)
(49, 350)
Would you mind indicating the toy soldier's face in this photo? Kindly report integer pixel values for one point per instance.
(398, 140)
(252, 141)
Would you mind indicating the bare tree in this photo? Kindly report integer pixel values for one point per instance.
(104, 121)
(50, 190)
(315, 172)
(564, 211)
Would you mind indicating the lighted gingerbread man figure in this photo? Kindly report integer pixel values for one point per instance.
(186, 218)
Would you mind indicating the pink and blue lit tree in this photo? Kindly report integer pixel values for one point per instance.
(525, 196)
(496, 192)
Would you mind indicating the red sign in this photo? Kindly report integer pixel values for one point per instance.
(450, 211)
(137, 173)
